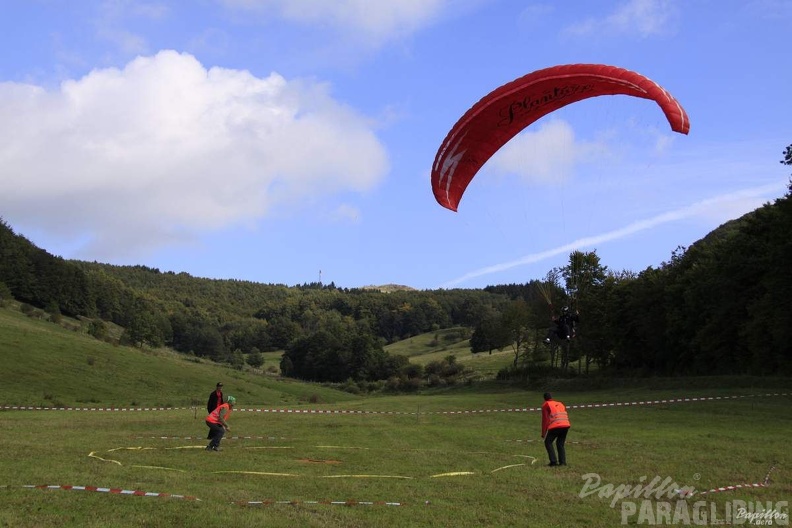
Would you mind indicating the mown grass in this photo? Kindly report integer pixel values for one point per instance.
(385, 457)
(394, 449)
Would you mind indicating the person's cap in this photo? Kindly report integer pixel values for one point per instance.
(231, 400)
(548, 396)
(219, 383)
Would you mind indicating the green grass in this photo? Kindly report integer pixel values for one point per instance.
(324, 457)
(48, 365)
(485, 456)
(271, 361)
(436, 346)
(442, 342)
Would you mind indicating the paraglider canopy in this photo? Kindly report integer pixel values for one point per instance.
(507, 110)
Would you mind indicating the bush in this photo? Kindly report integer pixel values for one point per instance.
(5, 293)
(453, 337)
(413, 370)
(97, 329)
(350, 386)
(255, 359)
(373, 386)
(54, 312)
(433, 368)
(236, 359)
(412, 384)
(436, 381)
(393, 384)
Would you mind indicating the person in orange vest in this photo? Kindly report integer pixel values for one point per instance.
(555, 426)
(218, 423)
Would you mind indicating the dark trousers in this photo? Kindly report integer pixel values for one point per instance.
(558, 436)
(216, 432)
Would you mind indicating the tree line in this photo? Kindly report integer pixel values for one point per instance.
(720, 306)
(327, 333)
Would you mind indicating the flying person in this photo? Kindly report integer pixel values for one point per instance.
(564, 326)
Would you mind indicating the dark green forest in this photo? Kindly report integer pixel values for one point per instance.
(720, 306)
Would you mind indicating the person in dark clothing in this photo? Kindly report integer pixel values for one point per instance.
(564, 326)
(215, 398)
(215, 401)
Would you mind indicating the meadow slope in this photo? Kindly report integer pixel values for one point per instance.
(302, 454)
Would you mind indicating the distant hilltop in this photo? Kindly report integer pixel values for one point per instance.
(388, 288)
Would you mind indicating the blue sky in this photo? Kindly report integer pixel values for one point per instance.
(284, 141)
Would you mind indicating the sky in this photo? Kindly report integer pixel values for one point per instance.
(291, 141)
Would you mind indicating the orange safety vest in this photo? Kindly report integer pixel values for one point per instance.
(214, 416)
(554, 416)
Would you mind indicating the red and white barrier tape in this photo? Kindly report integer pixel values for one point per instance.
(267, 502)
(351, 502)
(541, 440)
(204, 437)
(116, 491)
(763, 484)
(736, 486)
(402, 413)
(101, 409)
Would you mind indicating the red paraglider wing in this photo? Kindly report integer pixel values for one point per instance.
(507, 110)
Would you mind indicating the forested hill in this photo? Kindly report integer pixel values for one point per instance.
(721, 306)
(214, 318)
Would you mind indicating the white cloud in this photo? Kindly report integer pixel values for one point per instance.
(127, 42)
(163, 149)
(114, 14)
(345, 213)
(535, 15)
(644, 18)
(375, 20)
(119, 9)
(548, 155)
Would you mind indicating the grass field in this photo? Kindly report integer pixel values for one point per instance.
(436, 346)
(474, 469)
(441, 465)
(48, 365)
